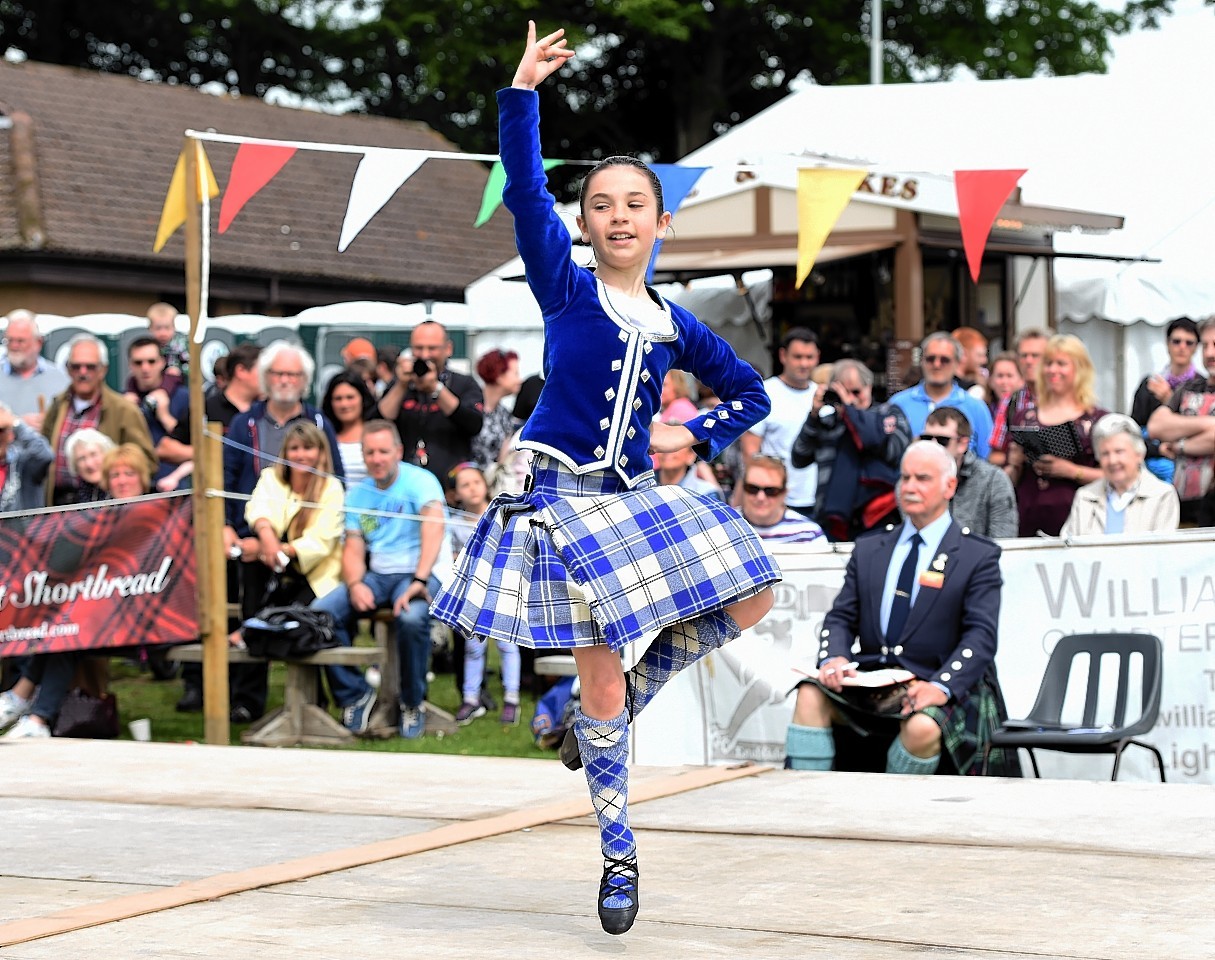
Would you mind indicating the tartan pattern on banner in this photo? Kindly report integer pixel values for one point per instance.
(582, 560)
(111, 545)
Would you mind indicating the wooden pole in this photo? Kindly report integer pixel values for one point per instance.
(208, 535)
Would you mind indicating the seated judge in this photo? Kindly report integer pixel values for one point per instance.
(923, 596)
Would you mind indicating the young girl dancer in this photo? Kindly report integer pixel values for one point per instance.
(595, 554)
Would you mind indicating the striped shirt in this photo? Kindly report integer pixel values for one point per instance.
(791, 528)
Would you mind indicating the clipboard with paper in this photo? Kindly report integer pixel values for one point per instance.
(1057, 439)
(878, 693)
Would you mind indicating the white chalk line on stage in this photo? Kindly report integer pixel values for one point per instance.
(242, 881)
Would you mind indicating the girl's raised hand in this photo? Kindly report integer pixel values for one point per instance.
(541, 58)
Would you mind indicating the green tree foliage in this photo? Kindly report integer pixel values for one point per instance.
(656, 77)
(246, 46)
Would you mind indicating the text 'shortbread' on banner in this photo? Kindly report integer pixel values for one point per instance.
(735, 705)
(111, 575)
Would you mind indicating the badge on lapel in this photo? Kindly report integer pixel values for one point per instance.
(934, 576)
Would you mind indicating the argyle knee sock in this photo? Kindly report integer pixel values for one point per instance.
(604, 747)
(675, 648)
(899, 760)
(809, 748)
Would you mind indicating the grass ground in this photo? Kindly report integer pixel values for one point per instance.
(140, 695)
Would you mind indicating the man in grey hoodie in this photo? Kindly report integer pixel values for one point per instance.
(985, 502)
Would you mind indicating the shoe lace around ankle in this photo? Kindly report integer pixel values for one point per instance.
(619, 874)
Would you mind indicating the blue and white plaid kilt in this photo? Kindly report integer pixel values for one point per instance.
(582, 559)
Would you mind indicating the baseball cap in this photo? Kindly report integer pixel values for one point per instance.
(360, 348)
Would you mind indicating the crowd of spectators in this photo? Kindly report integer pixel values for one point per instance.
(1033, 451)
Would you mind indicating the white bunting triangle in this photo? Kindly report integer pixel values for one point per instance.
(380, 174)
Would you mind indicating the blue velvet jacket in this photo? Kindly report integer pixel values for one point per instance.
(602, 377)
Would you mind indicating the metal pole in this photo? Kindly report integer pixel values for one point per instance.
(875, 41)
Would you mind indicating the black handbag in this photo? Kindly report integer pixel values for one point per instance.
(289, 633)
(87, 717)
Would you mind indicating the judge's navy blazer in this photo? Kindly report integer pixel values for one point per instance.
(950, 634)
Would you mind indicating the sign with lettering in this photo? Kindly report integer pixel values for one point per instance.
(109, 575)
(736, 704)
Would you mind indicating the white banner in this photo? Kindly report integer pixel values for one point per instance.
(735, 705)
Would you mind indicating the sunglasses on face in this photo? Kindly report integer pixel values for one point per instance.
(84, 367)
(938, 361)
(755, 490)
(1182, 342)
(943, 441)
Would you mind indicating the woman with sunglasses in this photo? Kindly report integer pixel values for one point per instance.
(1181, 339)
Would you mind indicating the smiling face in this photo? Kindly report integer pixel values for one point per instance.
(347, 404)
(763, 495)
(88, 463)
(620, 217)
(1120, 461)
(1059, 375)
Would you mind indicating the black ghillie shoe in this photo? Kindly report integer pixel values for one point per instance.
(619, 883)
(568, 751)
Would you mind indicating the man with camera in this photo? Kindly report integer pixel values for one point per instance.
(438, 411)
(161, 408)
(857, 447)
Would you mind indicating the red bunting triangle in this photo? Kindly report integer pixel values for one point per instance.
(255, 166)
(981, 194)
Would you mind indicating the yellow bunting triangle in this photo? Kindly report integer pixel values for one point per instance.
(173, 214)
(822, 196)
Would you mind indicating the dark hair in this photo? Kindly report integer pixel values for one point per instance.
(140, 342)
(492, 365)
(622, 161)
(941, 417)
(243, 355)
(220, 367)
(351, 379)
(799, 335)
(387, 355)
(1182, 323)
(528, 397)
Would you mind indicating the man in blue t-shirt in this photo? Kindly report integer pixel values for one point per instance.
(388, 560)
(940, 356)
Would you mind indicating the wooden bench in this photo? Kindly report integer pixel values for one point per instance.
(301, 719)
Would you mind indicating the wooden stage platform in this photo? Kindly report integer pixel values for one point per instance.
(122, 849)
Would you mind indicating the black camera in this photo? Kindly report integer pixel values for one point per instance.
(828, 412)
(420, 367)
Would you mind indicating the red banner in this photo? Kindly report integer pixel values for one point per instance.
(113, 575)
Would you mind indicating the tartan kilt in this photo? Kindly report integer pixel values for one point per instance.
(966, 726)
(582, 559)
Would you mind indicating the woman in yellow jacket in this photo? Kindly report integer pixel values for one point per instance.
(296, 516)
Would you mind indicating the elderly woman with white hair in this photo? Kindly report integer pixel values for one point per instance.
(1127, 498)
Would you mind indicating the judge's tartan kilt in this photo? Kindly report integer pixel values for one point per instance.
(581, 559)
(966, 727)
